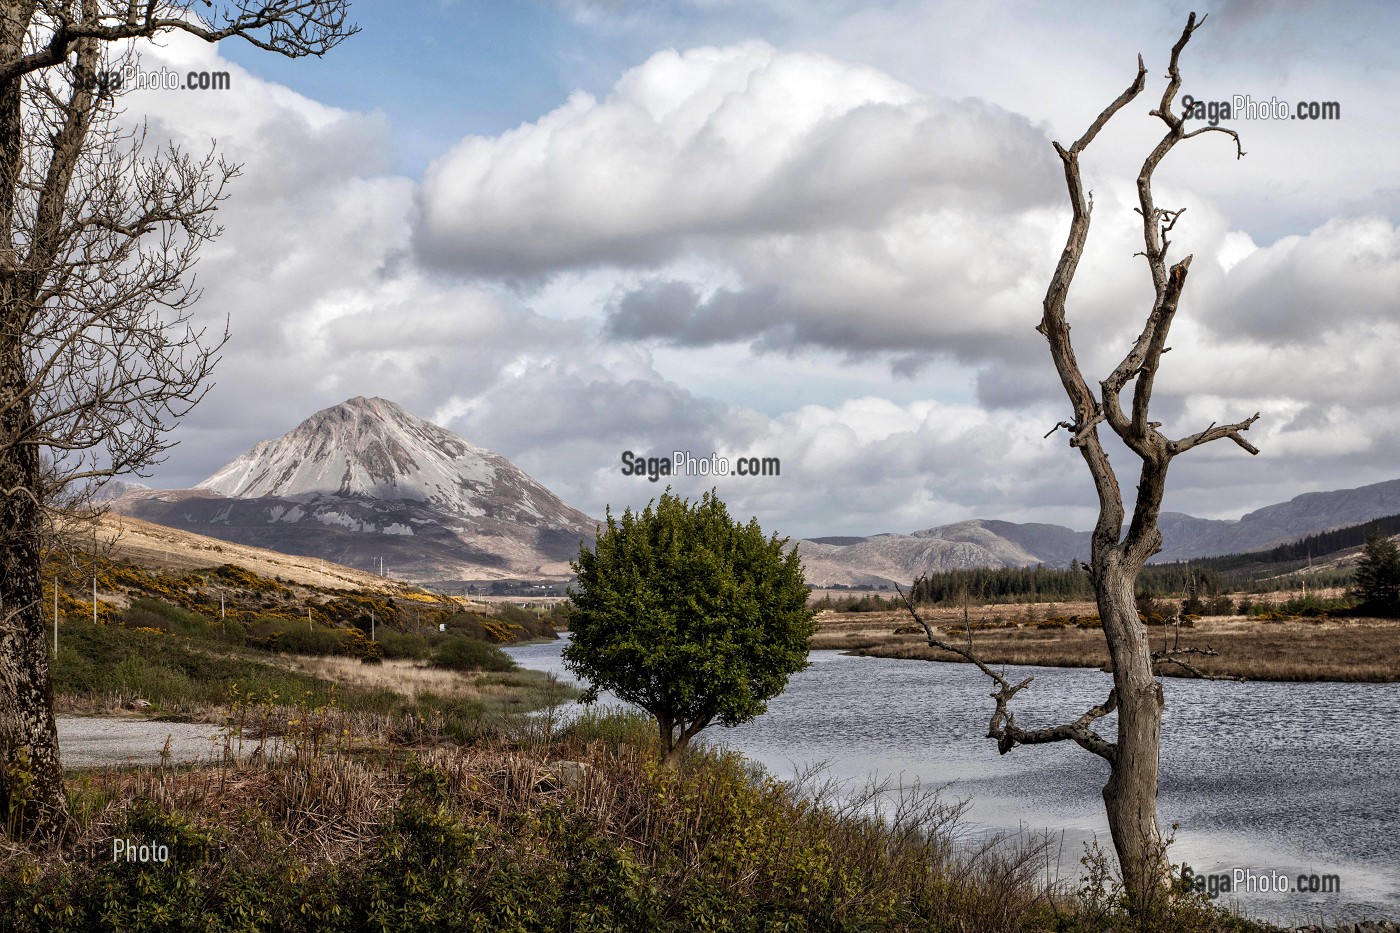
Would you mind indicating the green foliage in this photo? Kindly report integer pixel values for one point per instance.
(688, 614)
(614, 728)
(296, 637)
(1155, 611)
(1377, 580)
(401, 645)
(469, 654)
(536, 624)
(112, 661)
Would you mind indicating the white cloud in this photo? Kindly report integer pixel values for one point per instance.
(714, 143)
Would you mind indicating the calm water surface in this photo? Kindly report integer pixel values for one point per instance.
(1293, 778)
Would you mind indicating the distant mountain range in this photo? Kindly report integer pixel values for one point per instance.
(365, 481)
(899, 558)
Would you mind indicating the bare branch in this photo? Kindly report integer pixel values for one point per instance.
(1215, 433)
(1003, 726)
(1172, 657)
(1239, 150)
(293, 28)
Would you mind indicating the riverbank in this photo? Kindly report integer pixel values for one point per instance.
(1067, 635)
(551, 828)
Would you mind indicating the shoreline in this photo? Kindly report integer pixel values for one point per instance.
(1346, 650)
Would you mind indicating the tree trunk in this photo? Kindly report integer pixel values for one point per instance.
(674, 741)
(1130, 796)
(33, 804)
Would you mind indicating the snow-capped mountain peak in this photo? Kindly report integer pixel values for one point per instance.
(372, 448)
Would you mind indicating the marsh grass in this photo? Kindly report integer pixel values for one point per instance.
(1289, 648)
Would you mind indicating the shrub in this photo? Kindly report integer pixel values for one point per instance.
(273, 634)
(614, 727)
(468, 654)
(1220, 606)
(395, 644)
(537, 626)
(1155, 612)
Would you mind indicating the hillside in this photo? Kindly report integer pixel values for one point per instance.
(160, 547)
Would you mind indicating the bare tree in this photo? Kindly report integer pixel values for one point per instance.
(1130, 795)
(99, 354)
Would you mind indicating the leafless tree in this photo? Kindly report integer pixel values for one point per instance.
(99, 354)
(1130, 795)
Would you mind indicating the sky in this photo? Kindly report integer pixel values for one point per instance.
(819, 231)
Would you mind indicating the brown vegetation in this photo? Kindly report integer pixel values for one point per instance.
(1297, 649)
(550, 828)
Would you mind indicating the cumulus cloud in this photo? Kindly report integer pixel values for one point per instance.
(1341, 276)
(712, 143)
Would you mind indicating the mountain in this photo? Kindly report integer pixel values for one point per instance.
(1185, 537)
(899, 558)
(364, 482)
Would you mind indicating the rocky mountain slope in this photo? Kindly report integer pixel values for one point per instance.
(366, 482)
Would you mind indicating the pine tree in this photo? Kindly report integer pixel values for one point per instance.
(1377, 580)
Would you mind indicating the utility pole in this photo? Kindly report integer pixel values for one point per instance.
(371, 625)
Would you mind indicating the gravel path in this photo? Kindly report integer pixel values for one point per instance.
(95, 742)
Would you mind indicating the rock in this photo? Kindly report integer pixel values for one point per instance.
(561, 774)
(138, 704)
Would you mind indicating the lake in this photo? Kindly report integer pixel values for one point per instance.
(1261, 777)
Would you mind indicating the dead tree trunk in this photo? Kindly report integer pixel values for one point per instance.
(1130, 796)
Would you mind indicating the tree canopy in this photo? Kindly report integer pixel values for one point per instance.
(689, 615)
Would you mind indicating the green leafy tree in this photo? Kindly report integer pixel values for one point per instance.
(1377, 581)
(689, 615)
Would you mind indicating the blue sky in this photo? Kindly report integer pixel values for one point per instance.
(815, 230)
(440, 71)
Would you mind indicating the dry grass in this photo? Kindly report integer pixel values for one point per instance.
(1359, 650)
(405, 677)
